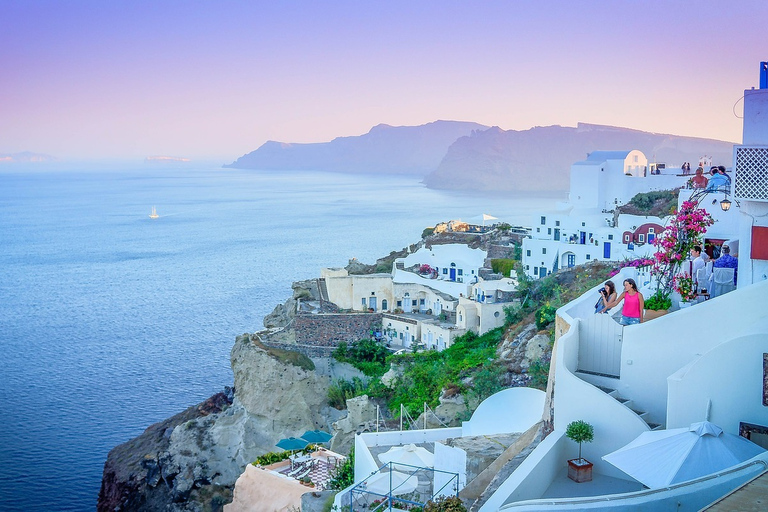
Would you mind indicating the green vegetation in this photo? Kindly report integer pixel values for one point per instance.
(368, 356)
(503, 227)
(581, 432)
(345, 474)
(658, 302)
(502, 266)
(342, 390)
(539, 373)
(445, 504)
(657, 202)
(427, 232)
(273, 457)
(287, 356)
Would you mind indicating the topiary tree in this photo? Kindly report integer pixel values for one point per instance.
(581, 432)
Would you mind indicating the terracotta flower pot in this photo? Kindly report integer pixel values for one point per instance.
(650, 314)
(580, 470)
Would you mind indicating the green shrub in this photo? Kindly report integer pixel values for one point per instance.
(503, 266)
(538, 371)
(368, 356)
(344, 475)
(545, 315)
(342, 390)
(581, 432)
(427, 232)
(445, 504)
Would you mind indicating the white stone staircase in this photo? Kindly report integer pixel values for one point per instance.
(631, 406)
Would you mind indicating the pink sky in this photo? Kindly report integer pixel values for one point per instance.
(215, 80)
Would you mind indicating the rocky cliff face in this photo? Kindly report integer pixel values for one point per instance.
(192, 460)
(540, 159)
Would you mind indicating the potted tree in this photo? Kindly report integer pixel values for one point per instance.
(580, 470)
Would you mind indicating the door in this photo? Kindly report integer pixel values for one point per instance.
(571, 260)
(372, 303)
(407, 307)
(542, 271)
(582, 237)
(557, 234)
(453, 274)
(607, 250)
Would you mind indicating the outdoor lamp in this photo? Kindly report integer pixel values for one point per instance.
(725, 204)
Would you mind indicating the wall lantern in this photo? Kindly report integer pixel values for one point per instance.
(725, 204)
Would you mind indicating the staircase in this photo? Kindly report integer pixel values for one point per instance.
(322, 290)
(629, 404)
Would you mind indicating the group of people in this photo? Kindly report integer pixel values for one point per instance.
(634, 302)
(718, 179)
(724, 261)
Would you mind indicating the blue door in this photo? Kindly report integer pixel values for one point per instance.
(607, 250)
(542, 271)
(582, 237)
(651, 236)
(571, 260)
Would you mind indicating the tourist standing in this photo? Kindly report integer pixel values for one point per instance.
(634, 303)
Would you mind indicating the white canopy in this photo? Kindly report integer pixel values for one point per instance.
(401, 483)
(409, 454)
(664, 457)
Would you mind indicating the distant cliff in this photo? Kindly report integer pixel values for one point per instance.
(540, 159)
(410, 150)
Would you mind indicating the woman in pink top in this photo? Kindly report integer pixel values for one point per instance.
(634, 303)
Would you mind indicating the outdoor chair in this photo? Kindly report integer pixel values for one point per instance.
(702, 279)
(722, 281)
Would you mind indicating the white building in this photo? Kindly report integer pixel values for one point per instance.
(423, 309)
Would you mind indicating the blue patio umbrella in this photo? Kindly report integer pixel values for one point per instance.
(292, 443)
(316, 436)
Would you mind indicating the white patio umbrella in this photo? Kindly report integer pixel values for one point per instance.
(664, 457)
(401, 483)
(409, 454)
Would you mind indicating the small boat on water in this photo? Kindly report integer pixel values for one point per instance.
(154, 214)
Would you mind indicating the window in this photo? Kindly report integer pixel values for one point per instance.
(535, 271)
(626, 238)
(413, 303)
(610, 237)
(549, 231)
(651, 231)
(557, 223)
(543, 220)
(364, 303)
(583, 224)
(527, 267)
(445, 271)
(422, 302)
(401, 335)
(528, 252)
(641, 237)
(538, 230)
(588, 256)
(400, 304)
(497, 314)
(543, 250)
(384, 304)
(636, 159)
(460, 271)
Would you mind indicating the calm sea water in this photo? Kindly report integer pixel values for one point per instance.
(111, 321)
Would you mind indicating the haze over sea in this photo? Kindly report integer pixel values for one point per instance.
(111, 321)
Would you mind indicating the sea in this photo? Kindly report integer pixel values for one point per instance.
(111, 321)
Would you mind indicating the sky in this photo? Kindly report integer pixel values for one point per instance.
(216, 79)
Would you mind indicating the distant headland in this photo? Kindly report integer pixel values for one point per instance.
(457, 155)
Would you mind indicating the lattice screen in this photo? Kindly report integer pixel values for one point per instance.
(751, 180)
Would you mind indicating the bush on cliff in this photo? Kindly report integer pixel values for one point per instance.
(368, 356)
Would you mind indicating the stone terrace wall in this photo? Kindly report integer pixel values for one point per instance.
(329, 329)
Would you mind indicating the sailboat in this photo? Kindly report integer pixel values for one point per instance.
(154, 214)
